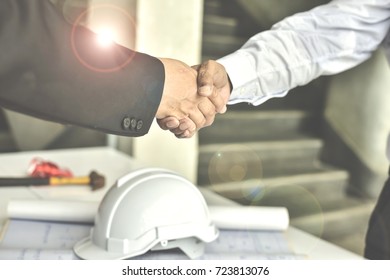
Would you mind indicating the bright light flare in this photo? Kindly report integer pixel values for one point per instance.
(105, 37)
(104, 21)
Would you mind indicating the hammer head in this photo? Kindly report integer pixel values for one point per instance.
(97, 181)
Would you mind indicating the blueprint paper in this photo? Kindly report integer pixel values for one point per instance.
(25, 239)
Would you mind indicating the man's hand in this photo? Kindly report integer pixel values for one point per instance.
(181, 109)
(213, 83)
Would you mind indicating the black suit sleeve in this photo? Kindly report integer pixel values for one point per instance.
(55, 71)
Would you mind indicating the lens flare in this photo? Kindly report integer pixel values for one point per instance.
(105, 37)
(101, 52)
(234, 163)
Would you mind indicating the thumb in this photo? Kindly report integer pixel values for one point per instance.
(205, 79)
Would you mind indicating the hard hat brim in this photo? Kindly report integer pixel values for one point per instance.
(87, 250)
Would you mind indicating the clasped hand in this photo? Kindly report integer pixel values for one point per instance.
(192, 96)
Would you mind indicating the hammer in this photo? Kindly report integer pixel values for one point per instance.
(95, 180)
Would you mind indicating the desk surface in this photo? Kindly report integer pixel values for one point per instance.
(114, 164)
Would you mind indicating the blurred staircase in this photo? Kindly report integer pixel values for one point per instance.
(270, 154)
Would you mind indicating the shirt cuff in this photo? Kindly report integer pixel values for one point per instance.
(245, 87)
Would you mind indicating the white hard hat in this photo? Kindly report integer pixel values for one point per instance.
(149, 209)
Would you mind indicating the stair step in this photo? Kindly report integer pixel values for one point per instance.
(212, 7)
(242, 126)
(220, 45)
(301, 194)
(226, 26)
(224, 7)
(338, 220)
(219, 163)
(267, 13)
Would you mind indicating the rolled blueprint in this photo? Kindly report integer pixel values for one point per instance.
(53, 210)
(225, 217)
(250, 217)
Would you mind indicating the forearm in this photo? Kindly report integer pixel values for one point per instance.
(51, 70)
(326, 40)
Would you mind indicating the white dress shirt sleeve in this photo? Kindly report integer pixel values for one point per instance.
(325, 40)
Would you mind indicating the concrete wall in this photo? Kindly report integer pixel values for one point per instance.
(267, 12)
(169, 28)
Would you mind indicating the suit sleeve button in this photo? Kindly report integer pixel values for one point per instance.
(133, 124)
(140, 123)
(126, 122)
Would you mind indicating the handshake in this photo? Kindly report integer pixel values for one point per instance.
(192, 96)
